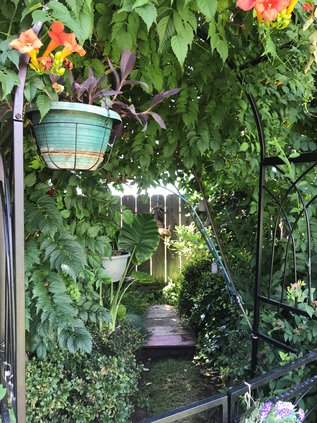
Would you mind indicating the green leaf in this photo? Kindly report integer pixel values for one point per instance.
(30, 180)
(39, 16)
(141, 238)
(44, 104)
(165, 29)
(32, 8)
(207, 8)
(140, 3)
(7, 53)
(8, 80)
(33, 84)
(41, 214)
(270, 47)
(66, 254)
(143, 277)
(180, 48)
(122, 311)
(56, 283)
(93, 231)
(222, 48)
(32, 254)
(127, 216)
(244, 146)
(86, 22)
(148, 13)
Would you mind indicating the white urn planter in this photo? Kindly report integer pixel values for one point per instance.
(116, 265)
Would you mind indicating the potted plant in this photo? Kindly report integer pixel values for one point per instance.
(139, 239)
(116, 264)
(74, 133)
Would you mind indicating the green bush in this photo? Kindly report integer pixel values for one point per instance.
(81, 387)
(222, 340)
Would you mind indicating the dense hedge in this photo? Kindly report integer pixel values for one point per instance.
(222, 339)
(80, 387)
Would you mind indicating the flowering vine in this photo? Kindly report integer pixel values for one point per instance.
(274, 13)
(55, 64)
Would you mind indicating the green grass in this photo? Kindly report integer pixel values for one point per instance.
(169, 384)
(139, 297)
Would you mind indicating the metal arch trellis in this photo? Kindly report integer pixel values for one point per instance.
(294, 186)
(12, 341)
(291, 272)
(227, 405)
(275, 164)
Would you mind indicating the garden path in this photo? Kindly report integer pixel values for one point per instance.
(166, 330)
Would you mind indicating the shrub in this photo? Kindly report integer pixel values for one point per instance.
(222, 340)
(80, 387)
(171, 291)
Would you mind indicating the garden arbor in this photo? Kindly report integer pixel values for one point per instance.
(210, 131)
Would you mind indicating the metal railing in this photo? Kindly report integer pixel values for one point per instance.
(228, 407)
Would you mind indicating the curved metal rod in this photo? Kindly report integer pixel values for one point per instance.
(256, 295)
(310, 411)
(273, 246)
(255, 111)
(307, 220)
(279, 213)
(213, 250)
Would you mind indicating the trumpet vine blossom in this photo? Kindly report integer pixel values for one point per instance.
(57, 36)
(270, 10)
(28, 42)
(71, 46)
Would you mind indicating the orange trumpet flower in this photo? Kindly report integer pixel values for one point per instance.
(28, 42)
(71, 46)
(57, 35)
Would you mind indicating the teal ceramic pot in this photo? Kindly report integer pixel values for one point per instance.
(73, 135)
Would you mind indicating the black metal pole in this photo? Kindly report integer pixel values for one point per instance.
(256, 307)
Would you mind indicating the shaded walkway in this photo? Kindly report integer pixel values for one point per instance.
(166, 330)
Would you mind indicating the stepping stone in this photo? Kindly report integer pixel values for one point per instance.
(166, 330)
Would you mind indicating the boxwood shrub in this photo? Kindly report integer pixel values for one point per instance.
(223, 342)
(79, 387)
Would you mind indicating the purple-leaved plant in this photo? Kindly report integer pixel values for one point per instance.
(100, 91)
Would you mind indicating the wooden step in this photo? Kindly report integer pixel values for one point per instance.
(166, 330)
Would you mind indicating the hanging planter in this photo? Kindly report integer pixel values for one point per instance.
(73, 135)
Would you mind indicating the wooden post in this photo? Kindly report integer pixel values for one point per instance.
(143, 206)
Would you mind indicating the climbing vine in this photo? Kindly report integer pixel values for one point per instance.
(215, 52)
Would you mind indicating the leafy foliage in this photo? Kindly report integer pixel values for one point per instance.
(88, 388)
(216, 54)
(222, 342)
(70, 222)
(140, 238)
